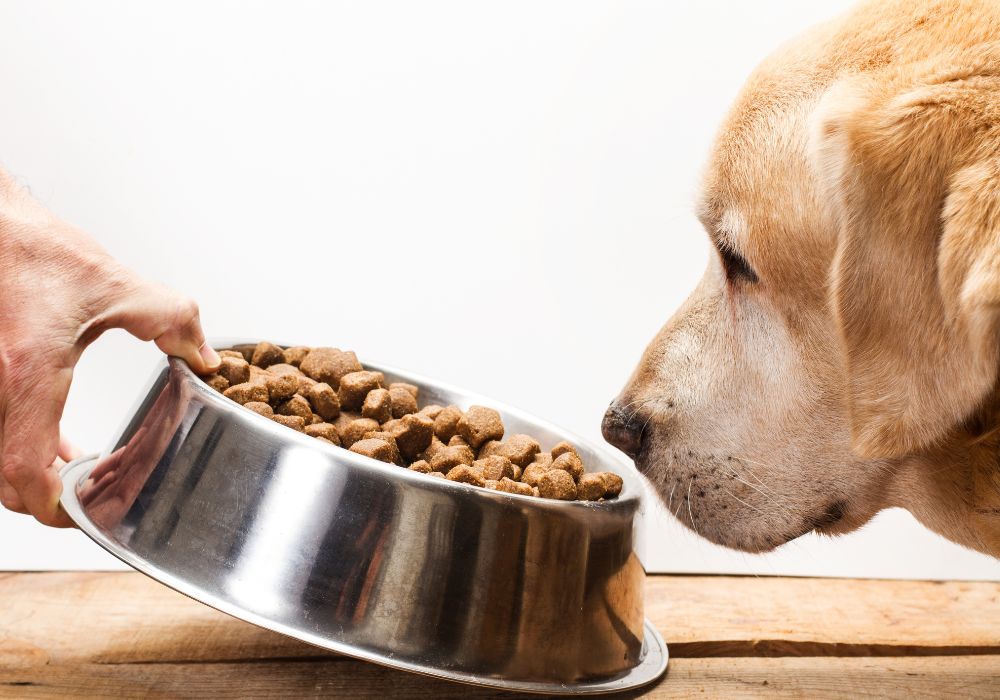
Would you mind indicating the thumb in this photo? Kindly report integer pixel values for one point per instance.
(151, 311)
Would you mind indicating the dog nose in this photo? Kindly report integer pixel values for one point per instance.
(623, 430)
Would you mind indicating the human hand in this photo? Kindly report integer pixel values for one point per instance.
(59, 290)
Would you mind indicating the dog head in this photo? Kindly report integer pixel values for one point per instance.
(845, 332)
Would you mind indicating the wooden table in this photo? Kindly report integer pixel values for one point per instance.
(122, 635)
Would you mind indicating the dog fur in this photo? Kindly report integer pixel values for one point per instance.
(853, 365)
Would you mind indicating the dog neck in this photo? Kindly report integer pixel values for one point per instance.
(954, 488)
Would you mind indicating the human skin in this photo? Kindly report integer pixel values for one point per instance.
(59, 290)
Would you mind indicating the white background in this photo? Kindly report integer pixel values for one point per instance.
(496, 194)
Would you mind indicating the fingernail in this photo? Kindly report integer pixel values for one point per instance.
(209, 356)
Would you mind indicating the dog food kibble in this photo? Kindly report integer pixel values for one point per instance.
(328, 395)
(324, 430)
(413, 434)
(293, 422)
(356, 430)
(495, 467)
(248, 391)
(421, 466)
(590, 487)
(403, 401)
(236, 371)
(323, 399)
(446, 423)
(267, 354)
(296, 406)
(281, 386)
(480, 424)
(557, 484)
(466, 475)
(260, 407)
(569, 463)
(354, 387)
(432, 411)
(294, 356)
(217, 382)
(329, 365)
(377, 405)
(374, 448)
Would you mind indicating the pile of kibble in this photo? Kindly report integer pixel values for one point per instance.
(328, 395)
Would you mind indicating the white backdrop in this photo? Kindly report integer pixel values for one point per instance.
(497, 194)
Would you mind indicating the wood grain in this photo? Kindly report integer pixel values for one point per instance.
(123, 635)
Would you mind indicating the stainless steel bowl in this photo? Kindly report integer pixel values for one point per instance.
(369, 559)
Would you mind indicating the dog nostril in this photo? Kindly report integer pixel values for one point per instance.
(623, 430)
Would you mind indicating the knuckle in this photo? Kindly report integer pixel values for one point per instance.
(15, 470)
(185, 311)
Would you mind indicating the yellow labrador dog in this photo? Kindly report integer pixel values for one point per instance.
(841, 353)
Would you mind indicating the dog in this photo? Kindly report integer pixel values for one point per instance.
(840, 354)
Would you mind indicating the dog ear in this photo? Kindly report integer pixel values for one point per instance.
(910, 160)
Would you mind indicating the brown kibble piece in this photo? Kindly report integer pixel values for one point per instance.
(432, 411)
(512, 486)
(413, 389)
(377, 405)
(293, 422)
(345, 419)
(354, 387)
(356, 430)
(421, 466)
(544, 459)
(570, 463)
(236, 371)
(450, 457)
(295, 406)
(231, 353)
(612, 484)
(446, 423)
(403, 401)
(413, 433)
(433, 448)
(306, 382)
(532, 473)
(519, 449)
(495, 467)
(480, 424)
(489, 448)
(246, 350)
(324, 430)
(374, 448)
(492, 484)
(217, 382)
(466, 475)
(557, 484)
(329, 365)
(323, 400)
(590, 487)
(387, 437)
(391, 424)
(267, 354)
(457, 441)
(258, 375)
(294, 355)
(317, 419)
(282, 368)
(248, 391)
(281, 386)
(439, 475)
(562, 448)
(260, 407)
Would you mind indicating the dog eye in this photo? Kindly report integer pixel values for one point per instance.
(736, 266)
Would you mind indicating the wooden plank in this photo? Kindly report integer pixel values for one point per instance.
(819, 677)
(121, 634)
